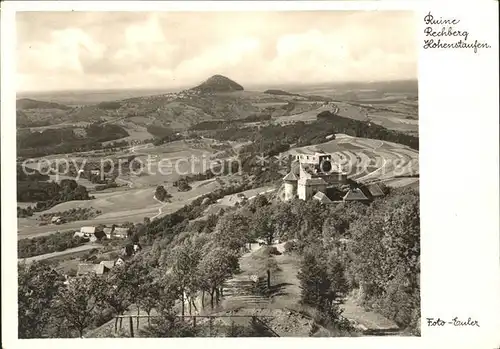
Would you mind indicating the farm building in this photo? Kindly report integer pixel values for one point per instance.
(365, 193)
(92, 233)
(357, 194)
(321, 197)
(121, 233)
(116, 232)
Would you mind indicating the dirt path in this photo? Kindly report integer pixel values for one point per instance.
(163, 204)
(69, 251)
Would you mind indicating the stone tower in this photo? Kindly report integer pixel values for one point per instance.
(290, 186)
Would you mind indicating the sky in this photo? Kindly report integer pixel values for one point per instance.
(113, 50)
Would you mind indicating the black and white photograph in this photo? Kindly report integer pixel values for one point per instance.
(220, 174)
(235, 181)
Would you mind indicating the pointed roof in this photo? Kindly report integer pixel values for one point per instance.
(375, 190)
(355, 194)
(292, 177)
(321, 197)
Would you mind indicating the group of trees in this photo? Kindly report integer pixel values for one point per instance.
(162, 194)
(345, 247)
(302, 134)
(163, 134)
(194, 268)
(65, 140)
(74, 214)
(365, 129)
(384, 258)
(48, 307)
(375, 250)
(49, 194)
(182, 184)
(59, 241)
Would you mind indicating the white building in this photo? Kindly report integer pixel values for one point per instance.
(311, 174)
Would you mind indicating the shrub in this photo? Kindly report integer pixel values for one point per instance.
(291, 246)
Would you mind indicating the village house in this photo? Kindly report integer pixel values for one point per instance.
(121, 233)
(91, 233)
(364, 193)
(115, 232)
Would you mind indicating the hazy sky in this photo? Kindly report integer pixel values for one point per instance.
(107, 50)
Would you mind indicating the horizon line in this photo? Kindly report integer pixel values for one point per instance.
(180, 88)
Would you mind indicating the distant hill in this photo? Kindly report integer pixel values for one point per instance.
(27, 103)
(280, 93)
(218, 83)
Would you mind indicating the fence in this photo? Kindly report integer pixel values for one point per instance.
(254, 319)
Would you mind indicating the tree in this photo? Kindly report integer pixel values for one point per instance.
(232, 231)
(272, 222)
(162, 194)
(385, 252)
(38, 285)
(313, 278)
(216, 266)
(262, 224)
(79, 301)
(148, 299)
(323, 284)
(185, 261)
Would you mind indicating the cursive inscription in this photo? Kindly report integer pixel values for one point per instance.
(438, 322)
(443, 33)
(430, 20)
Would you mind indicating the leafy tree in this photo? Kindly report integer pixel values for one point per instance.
(161, 193)
(38, 285)
(385, 251)
(273, 222)
(323, 284)
(185, 261)
(269, 265)
(79, 302)
(148, 298)
(314, 280)
(118, 288)
(216, 266)
(232, 231)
